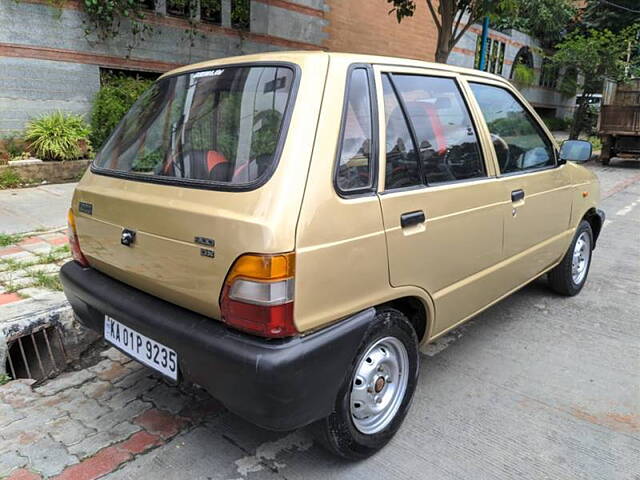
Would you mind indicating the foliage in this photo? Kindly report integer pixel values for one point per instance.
(593, 55)
(264, 140)
(543, 19)
(556, 124)
(510, 126)
(523, 76)
(11, 146)
(4, 378)
(105, 18)
(46, 280)
(7, 239)
(114, 99)
(240, 14)
(9, 178)
(602, 15)
(148, 161)
(448, 14)
(58, 136)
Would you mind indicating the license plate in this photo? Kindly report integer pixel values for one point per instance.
(145, 350)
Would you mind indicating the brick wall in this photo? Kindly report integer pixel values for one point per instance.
(365, 26)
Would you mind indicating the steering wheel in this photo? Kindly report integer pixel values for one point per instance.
(503, 152)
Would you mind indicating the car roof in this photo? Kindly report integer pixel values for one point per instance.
(301, 56)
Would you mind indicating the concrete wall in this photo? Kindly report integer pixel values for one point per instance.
(48, 63)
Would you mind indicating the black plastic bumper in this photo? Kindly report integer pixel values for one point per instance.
(277, 384)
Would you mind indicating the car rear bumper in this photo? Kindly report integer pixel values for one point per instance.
(276, 384)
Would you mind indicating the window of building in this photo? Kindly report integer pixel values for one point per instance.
(549, 74)
(240, 14)
(494, 55)
(523, 57)
(211, 11)
(518, 140)
(354, 171)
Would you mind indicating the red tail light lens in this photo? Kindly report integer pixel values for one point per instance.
(258, 295)
(74, 243)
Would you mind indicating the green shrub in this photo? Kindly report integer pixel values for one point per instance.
(556, 124)
(9, 178)
(523, 76)
(58, 136)
(112, 102)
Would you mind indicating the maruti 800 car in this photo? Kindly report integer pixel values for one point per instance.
(288, 230)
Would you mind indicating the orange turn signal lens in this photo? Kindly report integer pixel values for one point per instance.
(263, 267)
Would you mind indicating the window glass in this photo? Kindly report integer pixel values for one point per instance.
(355, 170)
(447, 141)
(519, 143)
(402, 162)
(220, 125)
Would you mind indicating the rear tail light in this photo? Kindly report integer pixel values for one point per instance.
(74, 243)
(257, 296)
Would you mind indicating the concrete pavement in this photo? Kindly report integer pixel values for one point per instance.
(538, 386)
(36, 208)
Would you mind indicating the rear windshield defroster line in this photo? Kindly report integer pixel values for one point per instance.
(220, 128)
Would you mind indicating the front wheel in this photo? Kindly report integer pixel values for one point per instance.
(570, 275)
(377, 392)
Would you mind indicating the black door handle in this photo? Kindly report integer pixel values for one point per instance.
(517, 195)
(412, 218)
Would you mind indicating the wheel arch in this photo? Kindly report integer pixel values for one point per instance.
(596, 221)
(417, 311)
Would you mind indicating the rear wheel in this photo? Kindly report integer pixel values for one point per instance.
(570, 275)
(377, 393)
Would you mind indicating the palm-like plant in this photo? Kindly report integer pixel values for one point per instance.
(57, 136)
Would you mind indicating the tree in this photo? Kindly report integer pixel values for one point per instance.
(448, 16)
(593, 55)
(544, 18)
(613, 15)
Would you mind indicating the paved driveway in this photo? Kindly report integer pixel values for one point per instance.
(539, 386)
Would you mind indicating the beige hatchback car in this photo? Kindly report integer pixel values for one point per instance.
(288, 229)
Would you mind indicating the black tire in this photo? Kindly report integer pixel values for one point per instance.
(561, 278)
(338, 433)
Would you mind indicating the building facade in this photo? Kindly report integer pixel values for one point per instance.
(48, 61)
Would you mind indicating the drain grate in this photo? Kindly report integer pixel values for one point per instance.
(38, 355)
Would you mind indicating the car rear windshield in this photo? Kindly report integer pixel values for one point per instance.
(219, 126)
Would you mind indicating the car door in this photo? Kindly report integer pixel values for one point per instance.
(441, 202)
(536, 221)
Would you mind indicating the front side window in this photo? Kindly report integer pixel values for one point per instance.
(445, 135)
(355, 166)
(220, 125)
(518, 140)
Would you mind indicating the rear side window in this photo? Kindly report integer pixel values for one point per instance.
(401, 168)
(445, 135)
(519, 143)
(221, 126)
(354, 172)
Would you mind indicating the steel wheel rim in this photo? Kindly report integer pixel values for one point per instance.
(379, 385)
(581, 255)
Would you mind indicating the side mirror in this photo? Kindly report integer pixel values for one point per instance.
(578, 151)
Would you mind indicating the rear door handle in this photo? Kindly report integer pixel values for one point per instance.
(517, 195)
(412, 218)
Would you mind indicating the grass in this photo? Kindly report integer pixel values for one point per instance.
(7, 239)
(44, 280)
(9, 178)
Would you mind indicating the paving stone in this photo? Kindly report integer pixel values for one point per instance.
(8, 414)
(167, 398)
(36, 293)
(161, 423)
(92, 444)
(116, 355)
(18, 283)
(136, 375)
(113, 418)
(64, 381)
(20, 256)
(18, 393)
(85, 410)
(109, 370)
(12, 276)
(99, 390)
(40, 248)
(36, 420)
(48, 457)
(44, 268)
(9, 461)
(69, 431)
(136, 390)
